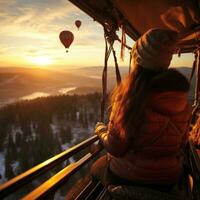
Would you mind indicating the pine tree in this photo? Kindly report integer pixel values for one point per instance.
(91, 117)
(69, 135)
(24, 157)
(81, 117)
(2, 138)
(8, 169)
(85, 120)
(63, 135)
(57, 146)
(26, 128)
(18, 139)
(11, 148)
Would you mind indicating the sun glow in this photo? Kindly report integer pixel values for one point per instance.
(42, 61)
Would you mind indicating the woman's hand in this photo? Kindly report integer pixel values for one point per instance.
(100, 128)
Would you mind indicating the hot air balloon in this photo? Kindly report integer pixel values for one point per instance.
(78, 23)
(66, 37)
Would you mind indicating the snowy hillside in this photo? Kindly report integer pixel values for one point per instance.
(36, 130)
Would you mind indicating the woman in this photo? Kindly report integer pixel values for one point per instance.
(149, 121)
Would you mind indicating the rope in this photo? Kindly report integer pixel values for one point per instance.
(104, 75)
(110, 37)
(104, 80)
(130, 59)
(197, 89)
(125, 45)
(117, 72)
(123, 42)
(193, 66)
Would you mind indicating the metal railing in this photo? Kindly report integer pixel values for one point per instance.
(57, 180)
(47, 189)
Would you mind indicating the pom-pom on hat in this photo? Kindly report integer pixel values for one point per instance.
(154, 49)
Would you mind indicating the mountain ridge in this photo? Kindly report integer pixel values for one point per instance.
(18, 82)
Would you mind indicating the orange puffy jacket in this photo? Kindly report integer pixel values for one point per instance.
(156, 156)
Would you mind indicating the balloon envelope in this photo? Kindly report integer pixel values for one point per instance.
(78, 23)
(66, 37)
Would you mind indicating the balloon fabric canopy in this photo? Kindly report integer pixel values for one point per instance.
(66, 38)
(182, 16)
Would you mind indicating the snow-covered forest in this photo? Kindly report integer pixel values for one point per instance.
(33, 131)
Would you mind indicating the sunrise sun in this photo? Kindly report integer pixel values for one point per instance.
(42, 61)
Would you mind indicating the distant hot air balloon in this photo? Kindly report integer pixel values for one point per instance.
(66, 37)
(78, 23)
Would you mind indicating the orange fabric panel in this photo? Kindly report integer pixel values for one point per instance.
(145, 14)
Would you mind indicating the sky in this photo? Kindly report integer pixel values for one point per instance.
(29, 36)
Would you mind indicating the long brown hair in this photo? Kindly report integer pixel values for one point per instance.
(129, 102)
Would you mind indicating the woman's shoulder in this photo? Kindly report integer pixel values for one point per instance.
(155, 116)
(170, 80)
(155, 121)
(170, 103)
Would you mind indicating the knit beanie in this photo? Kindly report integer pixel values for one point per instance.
(154, 49)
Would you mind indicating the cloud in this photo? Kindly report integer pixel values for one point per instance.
(32, 27)
(35, 16)
(41, 19)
